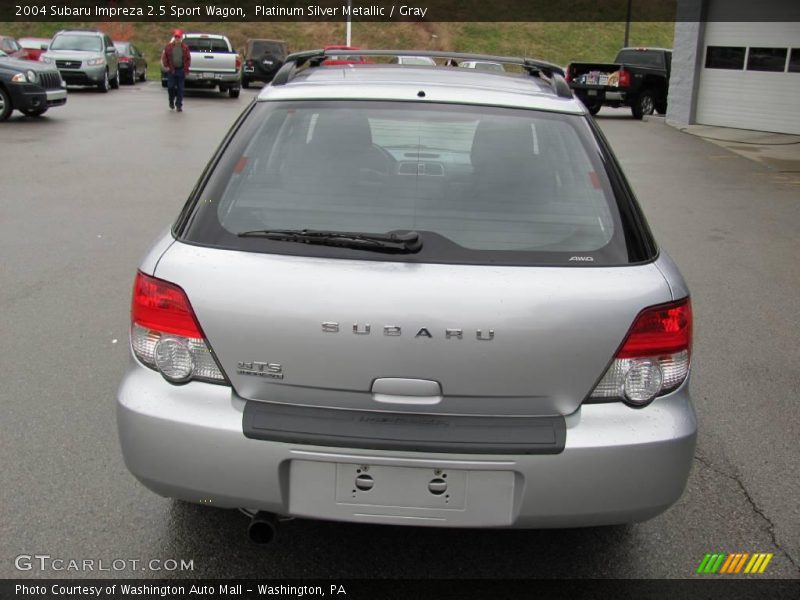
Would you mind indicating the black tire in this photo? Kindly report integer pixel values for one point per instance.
(104, 85)
(594, 108)
(33, 112)
(233, 92)
(5, 105)
(245, 83)
(643, 104)
(115, 82)
(143, 76)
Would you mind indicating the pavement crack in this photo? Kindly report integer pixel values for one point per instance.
(755, 507)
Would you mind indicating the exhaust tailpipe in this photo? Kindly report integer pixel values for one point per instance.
(263, 527)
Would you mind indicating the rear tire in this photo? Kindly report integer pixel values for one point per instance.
(143, 76)
(593, 108)
(233, 92)
(245, 83)
(5, 105)
(644, 104)
(115, 82)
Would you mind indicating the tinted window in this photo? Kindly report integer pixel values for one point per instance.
(206, 45)
(259, 48)
(123, 48)
(490, 67)
(645, 58)
(77, 42)
(794, 61)
(481, 185)
(724, 57)
(766, 59)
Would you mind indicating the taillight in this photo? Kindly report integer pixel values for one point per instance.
(238, 62)
(124, 59)
(568, 73)
(624, 78)
(165, 334)
(654, 358)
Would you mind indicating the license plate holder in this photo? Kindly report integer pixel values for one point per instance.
(400, 494)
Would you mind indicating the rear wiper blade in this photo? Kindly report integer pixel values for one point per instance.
(378, 242)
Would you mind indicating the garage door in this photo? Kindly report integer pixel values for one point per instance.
(750, 76)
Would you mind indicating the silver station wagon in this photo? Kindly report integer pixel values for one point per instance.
(412, 295)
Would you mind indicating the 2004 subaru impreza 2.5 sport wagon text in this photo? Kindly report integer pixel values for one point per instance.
(412, 295)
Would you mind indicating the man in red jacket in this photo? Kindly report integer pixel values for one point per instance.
(176, 60)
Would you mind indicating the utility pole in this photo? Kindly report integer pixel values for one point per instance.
(350, 25)
(627, 24)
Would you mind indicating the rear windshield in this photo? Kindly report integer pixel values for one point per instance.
(480, 185)
(89, 43)
(206, 45)
(645, 58)
(258, 48)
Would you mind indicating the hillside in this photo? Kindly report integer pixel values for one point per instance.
(556, 42)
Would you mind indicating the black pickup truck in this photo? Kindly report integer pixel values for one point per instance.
(638, 77)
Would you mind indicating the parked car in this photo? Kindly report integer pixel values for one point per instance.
(429, 307)
(483, 65)
(132, 63)
(33, 47)
(84, 57)
(262, 59)
(335, 60)
(215, 64)
(638, 78)
(11, 47)
(31, 88)
(414, 60)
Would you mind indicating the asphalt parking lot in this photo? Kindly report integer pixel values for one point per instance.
(87, 187)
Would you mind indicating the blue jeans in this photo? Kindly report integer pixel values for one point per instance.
(175, 87)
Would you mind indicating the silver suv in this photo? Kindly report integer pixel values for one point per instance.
(84, 57)
(412, 295)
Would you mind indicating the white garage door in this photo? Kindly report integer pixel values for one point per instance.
(750, 76)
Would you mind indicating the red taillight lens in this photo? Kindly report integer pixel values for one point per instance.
(124, 59)
(238, 62)
(165, 335)
(568, 73)
(624, 78)
(163, 307)
(654, 358)
(665, 329)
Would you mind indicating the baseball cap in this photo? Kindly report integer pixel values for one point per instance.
(177, 33)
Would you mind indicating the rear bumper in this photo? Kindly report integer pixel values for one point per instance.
(199, 79)
(618, 465)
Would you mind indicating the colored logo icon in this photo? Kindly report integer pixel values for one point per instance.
(733, 564)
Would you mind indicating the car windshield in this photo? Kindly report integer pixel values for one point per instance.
(416, 60)
(77, 42)
(33, 44)
(477, 179)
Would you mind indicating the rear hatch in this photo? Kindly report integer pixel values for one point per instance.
(483, 340)
(211, 55)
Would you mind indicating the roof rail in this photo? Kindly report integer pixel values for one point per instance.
(536, 68)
